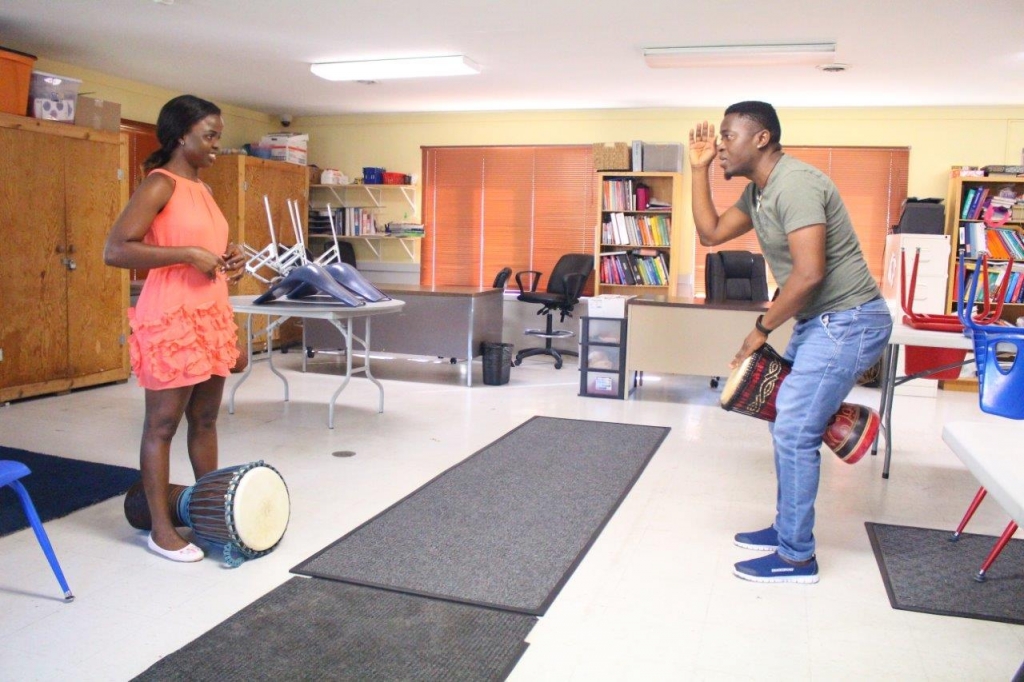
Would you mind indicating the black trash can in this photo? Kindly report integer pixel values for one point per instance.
(497, 362)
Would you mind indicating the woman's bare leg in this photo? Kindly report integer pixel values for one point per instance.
(201, 415)
(163, 414)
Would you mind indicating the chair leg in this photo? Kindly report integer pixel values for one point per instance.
(990, 559)
(548, 335)
(44, 540)
(978, 497)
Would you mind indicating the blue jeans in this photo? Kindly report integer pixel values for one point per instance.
(829, 353)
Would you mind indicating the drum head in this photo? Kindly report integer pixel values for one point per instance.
(261, 508)
(736, 378)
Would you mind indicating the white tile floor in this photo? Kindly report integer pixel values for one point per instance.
(654, 598)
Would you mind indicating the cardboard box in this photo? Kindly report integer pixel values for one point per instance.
(290, 147)
(98, 113)
(611, 156)
(608, 305)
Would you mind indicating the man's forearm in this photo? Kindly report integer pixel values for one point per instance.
(705, 217)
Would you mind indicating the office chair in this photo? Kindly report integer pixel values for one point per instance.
(501, 278)
(10, 472)
(562, 294)
(734, 276)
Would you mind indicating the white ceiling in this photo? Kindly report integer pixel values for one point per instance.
(535, 54)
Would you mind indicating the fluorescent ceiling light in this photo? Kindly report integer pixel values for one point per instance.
(739, 55)
(380, 69)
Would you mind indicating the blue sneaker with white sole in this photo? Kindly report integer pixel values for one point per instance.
(766, 540)
(774, 569)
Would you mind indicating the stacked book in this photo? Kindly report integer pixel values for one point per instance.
(639, 267)
(646, 230)
(397, 229)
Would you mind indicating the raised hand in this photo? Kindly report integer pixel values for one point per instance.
(703, 148)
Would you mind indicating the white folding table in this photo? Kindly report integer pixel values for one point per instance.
(340, 316)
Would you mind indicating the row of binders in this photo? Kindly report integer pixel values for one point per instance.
(1000, 243)
(634, 268)
(646, 230)
(349, 222)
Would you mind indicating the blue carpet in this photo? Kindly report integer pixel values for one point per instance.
(59, 486)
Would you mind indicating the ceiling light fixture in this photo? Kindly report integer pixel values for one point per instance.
(380, 69)
(739, 55)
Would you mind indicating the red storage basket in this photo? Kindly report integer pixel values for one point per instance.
(394, 178)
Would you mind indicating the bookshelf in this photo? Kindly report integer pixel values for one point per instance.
(638, 246)
(968, 200)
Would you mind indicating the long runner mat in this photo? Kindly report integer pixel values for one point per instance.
(506, 527)
(327, 630)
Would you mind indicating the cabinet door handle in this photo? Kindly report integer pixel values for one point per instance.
(69, 263)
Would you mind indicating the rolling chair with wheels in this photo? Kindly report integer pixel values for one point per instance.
(734, 276)
(562, 294)
(501, 278)
(10, 472)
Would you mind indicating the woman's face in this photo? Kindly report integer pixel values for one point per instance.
(202, 142)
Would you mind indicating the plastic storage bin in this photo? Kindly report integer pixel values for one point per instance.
(373, 176)
(53, 97)
(15, 76)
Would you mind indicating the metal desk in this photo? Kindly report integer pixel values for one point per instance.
(444, 321)
(278, 312)
(903, 335)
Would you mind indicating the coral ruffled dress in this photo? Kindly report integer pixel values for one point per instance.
(183, 328)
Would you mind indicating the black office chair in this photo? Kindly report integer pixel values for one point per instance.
(501, 278)
(734, 276)
(347, 252)
(562, 294)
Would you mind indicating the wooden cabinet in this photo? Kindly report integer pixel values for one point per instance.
(239, 184)
(963, 221)
(64, 323)
(638, 240)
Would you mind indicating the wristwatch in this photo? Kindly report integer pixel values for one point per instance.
(759, 325)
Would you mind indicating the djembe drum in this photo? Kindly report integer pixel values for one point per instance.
(244, 508)
(753, 386)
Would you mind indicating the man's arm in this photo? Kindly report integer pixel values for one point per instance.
(807, 246)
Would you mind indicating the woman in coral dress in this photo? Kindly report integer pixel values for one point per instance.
(183, 341)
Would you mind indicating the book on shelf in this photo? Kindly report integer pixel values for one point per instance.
(635, 267)
(648, 230)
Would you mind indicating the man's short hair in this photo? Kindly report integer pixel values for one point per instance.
(763, 114)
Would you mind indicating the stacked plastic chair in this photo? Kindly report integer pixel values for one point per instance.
(999, 356)
(10, 472)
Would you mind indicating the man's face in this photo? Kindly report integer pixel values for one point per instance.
(738, 146)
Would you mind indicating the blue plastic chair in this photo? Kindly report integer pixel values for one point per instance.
(1000, 388)
(1000, 384)
(10, 472)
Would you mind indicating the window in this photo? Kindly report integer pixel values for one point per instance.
(486, 208)
(871, 180)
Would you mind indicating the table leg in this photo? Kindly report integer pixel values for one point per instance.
(366, 367)
(890, 390)
(248, 365)
(346, 331)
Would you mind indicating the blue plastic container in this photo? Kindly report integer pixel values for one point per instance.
(373, 176)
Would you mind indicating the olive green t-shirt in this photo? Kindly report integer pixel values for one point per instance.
(799, 195)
